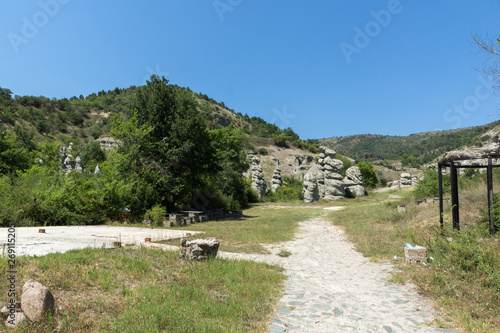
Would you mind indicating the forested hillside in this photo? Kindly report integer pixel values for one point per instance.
(85, 118)
(178, 149)
(423, 146)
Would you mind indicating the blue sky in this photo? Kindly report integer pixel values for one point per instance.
(325, 68)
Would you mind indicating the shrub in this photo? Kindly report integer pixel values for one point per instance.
(428, 186)
(262, 151)
(156, 214)
(369, 174)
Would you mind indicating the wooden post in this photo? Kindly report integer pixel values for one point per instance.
(454, 196)
(440, 177)
(489, 181)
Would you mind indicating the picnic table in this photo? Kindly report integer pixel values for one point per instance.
(196, 215)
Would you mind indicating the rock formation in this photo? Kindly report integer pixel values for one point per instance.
(276, 182)
(353, 182)
(405, 180)
(333, 187)
(67, 165)
(78, 164)
(310, 188)
(258, 182)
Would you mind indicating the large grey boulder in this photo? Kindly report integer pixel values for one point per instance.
(405, 180)
(199, 249)
(353, 182)
(36, 301)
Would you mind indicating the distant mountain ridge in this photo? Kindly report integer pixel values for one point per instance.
(426, 146)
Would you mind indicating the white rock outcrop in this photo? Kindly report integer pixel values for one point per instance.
(276, 182)
(310, 188)
(258, 182)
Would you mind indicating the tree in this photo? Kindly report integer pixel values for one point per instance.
(165, 141)
(5, 94)
(492, 49)
(12, 156)
(368, 173)
(92, 154)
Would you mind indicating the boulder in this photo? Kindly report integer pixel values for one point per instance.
(353, 182)
(405, 180)
(36, 300)
(199, 249)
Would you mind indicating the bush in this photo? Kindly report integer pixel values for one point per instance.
(369, 174)
(290, 191)
(262, 151)
(156, 214)
(495, 211)
(428, 186)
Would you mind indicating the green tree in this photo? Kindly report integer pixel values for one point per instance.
(13, 157)
(91, 155)
(227, 188)
(369, 174)
(165, 141)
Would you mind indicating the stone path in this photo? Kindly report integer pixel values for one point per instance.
(333, 288)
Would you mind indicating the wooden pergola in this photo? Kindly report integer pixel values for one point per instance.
(451, 163)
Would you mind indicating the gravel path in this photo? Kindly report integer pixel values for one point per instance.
(333, 288)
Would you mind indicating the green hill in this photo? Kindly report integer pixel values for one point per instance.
(425, 146)
(85, 118)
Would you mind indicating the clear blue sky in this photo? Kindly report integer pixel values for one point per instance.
(325, 68)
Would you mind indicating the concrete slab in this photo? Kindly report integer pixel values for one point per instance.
(64, 238)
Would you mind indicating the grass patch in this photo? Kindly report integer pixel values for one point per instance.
(284, 253)
(259, 225)
(149, 290)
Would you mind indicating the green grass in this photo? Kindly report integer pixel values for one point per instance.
(259, 225)
(148, 290)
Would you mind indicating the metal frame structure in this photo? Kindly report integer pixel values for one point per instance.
(455, 210)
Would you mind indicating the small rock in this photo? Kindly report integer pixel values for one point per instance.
(15, 320)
